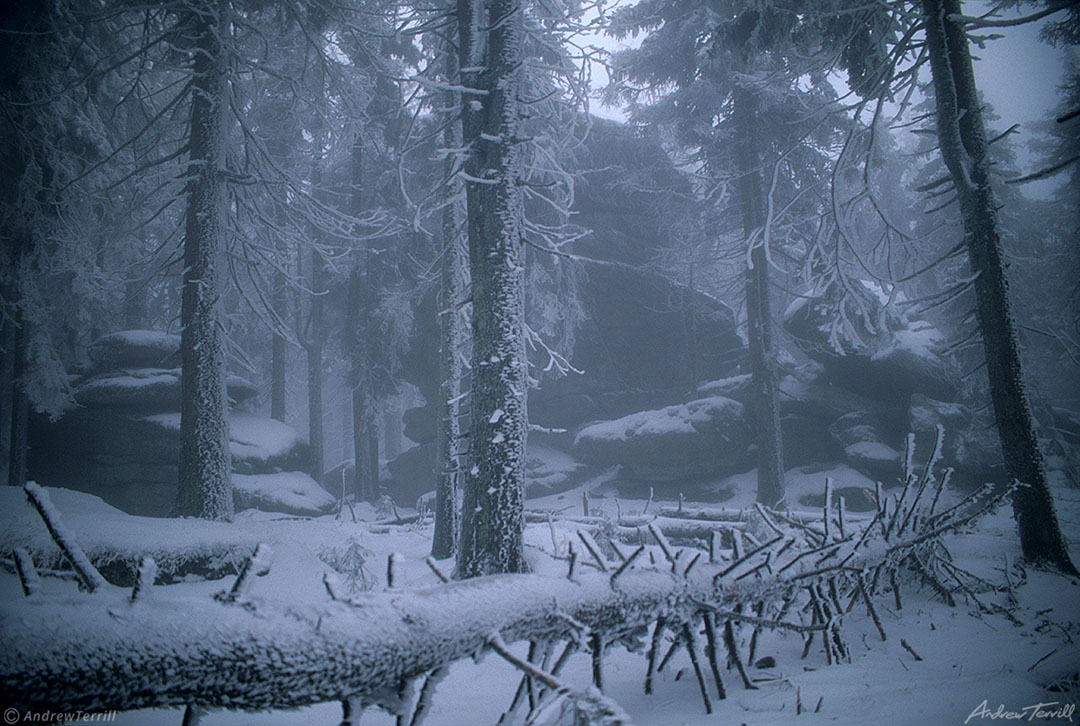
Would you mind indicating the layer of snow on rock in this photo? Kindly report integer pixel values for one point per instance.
(685, 418)
(872, 451)
(549, 467)
(920, 339)
(251, 436)
(291, 492)
(260, 437)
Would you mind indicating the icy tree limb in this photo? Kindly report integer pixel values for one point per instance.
(90, 578)
(145, 581)
(28, 576)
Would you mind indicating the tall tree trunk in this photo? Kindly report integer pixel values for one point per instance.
(205, 483)
(452, 290)
(315, 334)
(360, 309)
(766, 399)
(20, 403)
(313, 345)
(492, 514)
(7, 347)
(963, 141)
(279, 362)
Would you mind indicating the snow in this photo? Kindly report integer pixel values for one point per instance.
(920, 340)
(250, 436)
(966, 659)
(291, 492)
(872, 451)
(150, 340)
(548, 467)
(686, 418)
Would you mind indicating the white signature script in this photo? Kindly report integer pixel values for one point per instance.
(1048, 710)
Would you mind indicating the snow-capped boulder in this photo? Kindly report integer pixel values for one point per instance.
(971, 445)
(147, 389)
(289, 492)
(864, 449)
(130, 460)
(135, 349)
(869, 347)
(706, 437)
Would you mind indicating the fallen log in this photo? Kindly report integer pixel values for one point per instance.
(107, 651)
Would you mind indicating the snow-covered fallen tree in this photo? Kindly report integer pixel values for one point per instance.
(113, 650)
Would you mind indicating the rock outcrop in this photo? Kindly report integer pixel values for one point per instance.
(122, 442)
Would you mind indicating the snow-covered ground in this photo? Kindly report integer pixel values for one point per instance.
(966, 658)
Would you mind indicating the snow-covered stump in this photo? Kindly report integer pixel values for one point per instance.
(103, 652)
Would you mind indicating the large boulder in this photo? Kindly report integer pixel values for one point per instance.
(645, 340)
(707, 437)
(289, 492)
(971, 445)
(147, 389)
(864, 449)
(803, 423)
(130, 460)
(135, 349)
(412, 474)
(869, 347)
(421, 425)
(637, 348)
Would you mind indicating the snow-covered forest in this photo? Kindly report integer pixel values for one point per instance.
(538, 362)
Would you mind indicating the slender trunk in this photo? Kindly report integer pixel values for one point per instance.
(20, 403)
(205, 483)
(359, 312)
(963, 141)
(7, 347)
(279, 355)
(315, 338)
(313, 345)
(766, 399)
(492, 514)
(451, 294)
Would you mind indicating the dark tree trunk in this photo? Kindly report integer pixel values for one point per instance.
(205, 483)
(766, 399)
(963, 141)
(452, 289)
(279, 362)
(361, 307)
(7, 347)
(315, 332)
(313, 345)
(492, 514)
(20, 403)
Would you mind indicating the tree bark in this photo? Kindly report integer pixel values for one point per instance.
(963, 141)
(279, 362)
(205, 482)
(361, 307)
(492, 514)
(314, 349)
(766, 398)
(452, 291)
(20, 403)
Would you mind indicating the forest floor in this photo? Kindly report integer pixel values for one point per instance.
(971, 667)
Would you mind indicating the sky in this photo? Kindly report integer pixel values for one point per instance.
(1018, 74)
